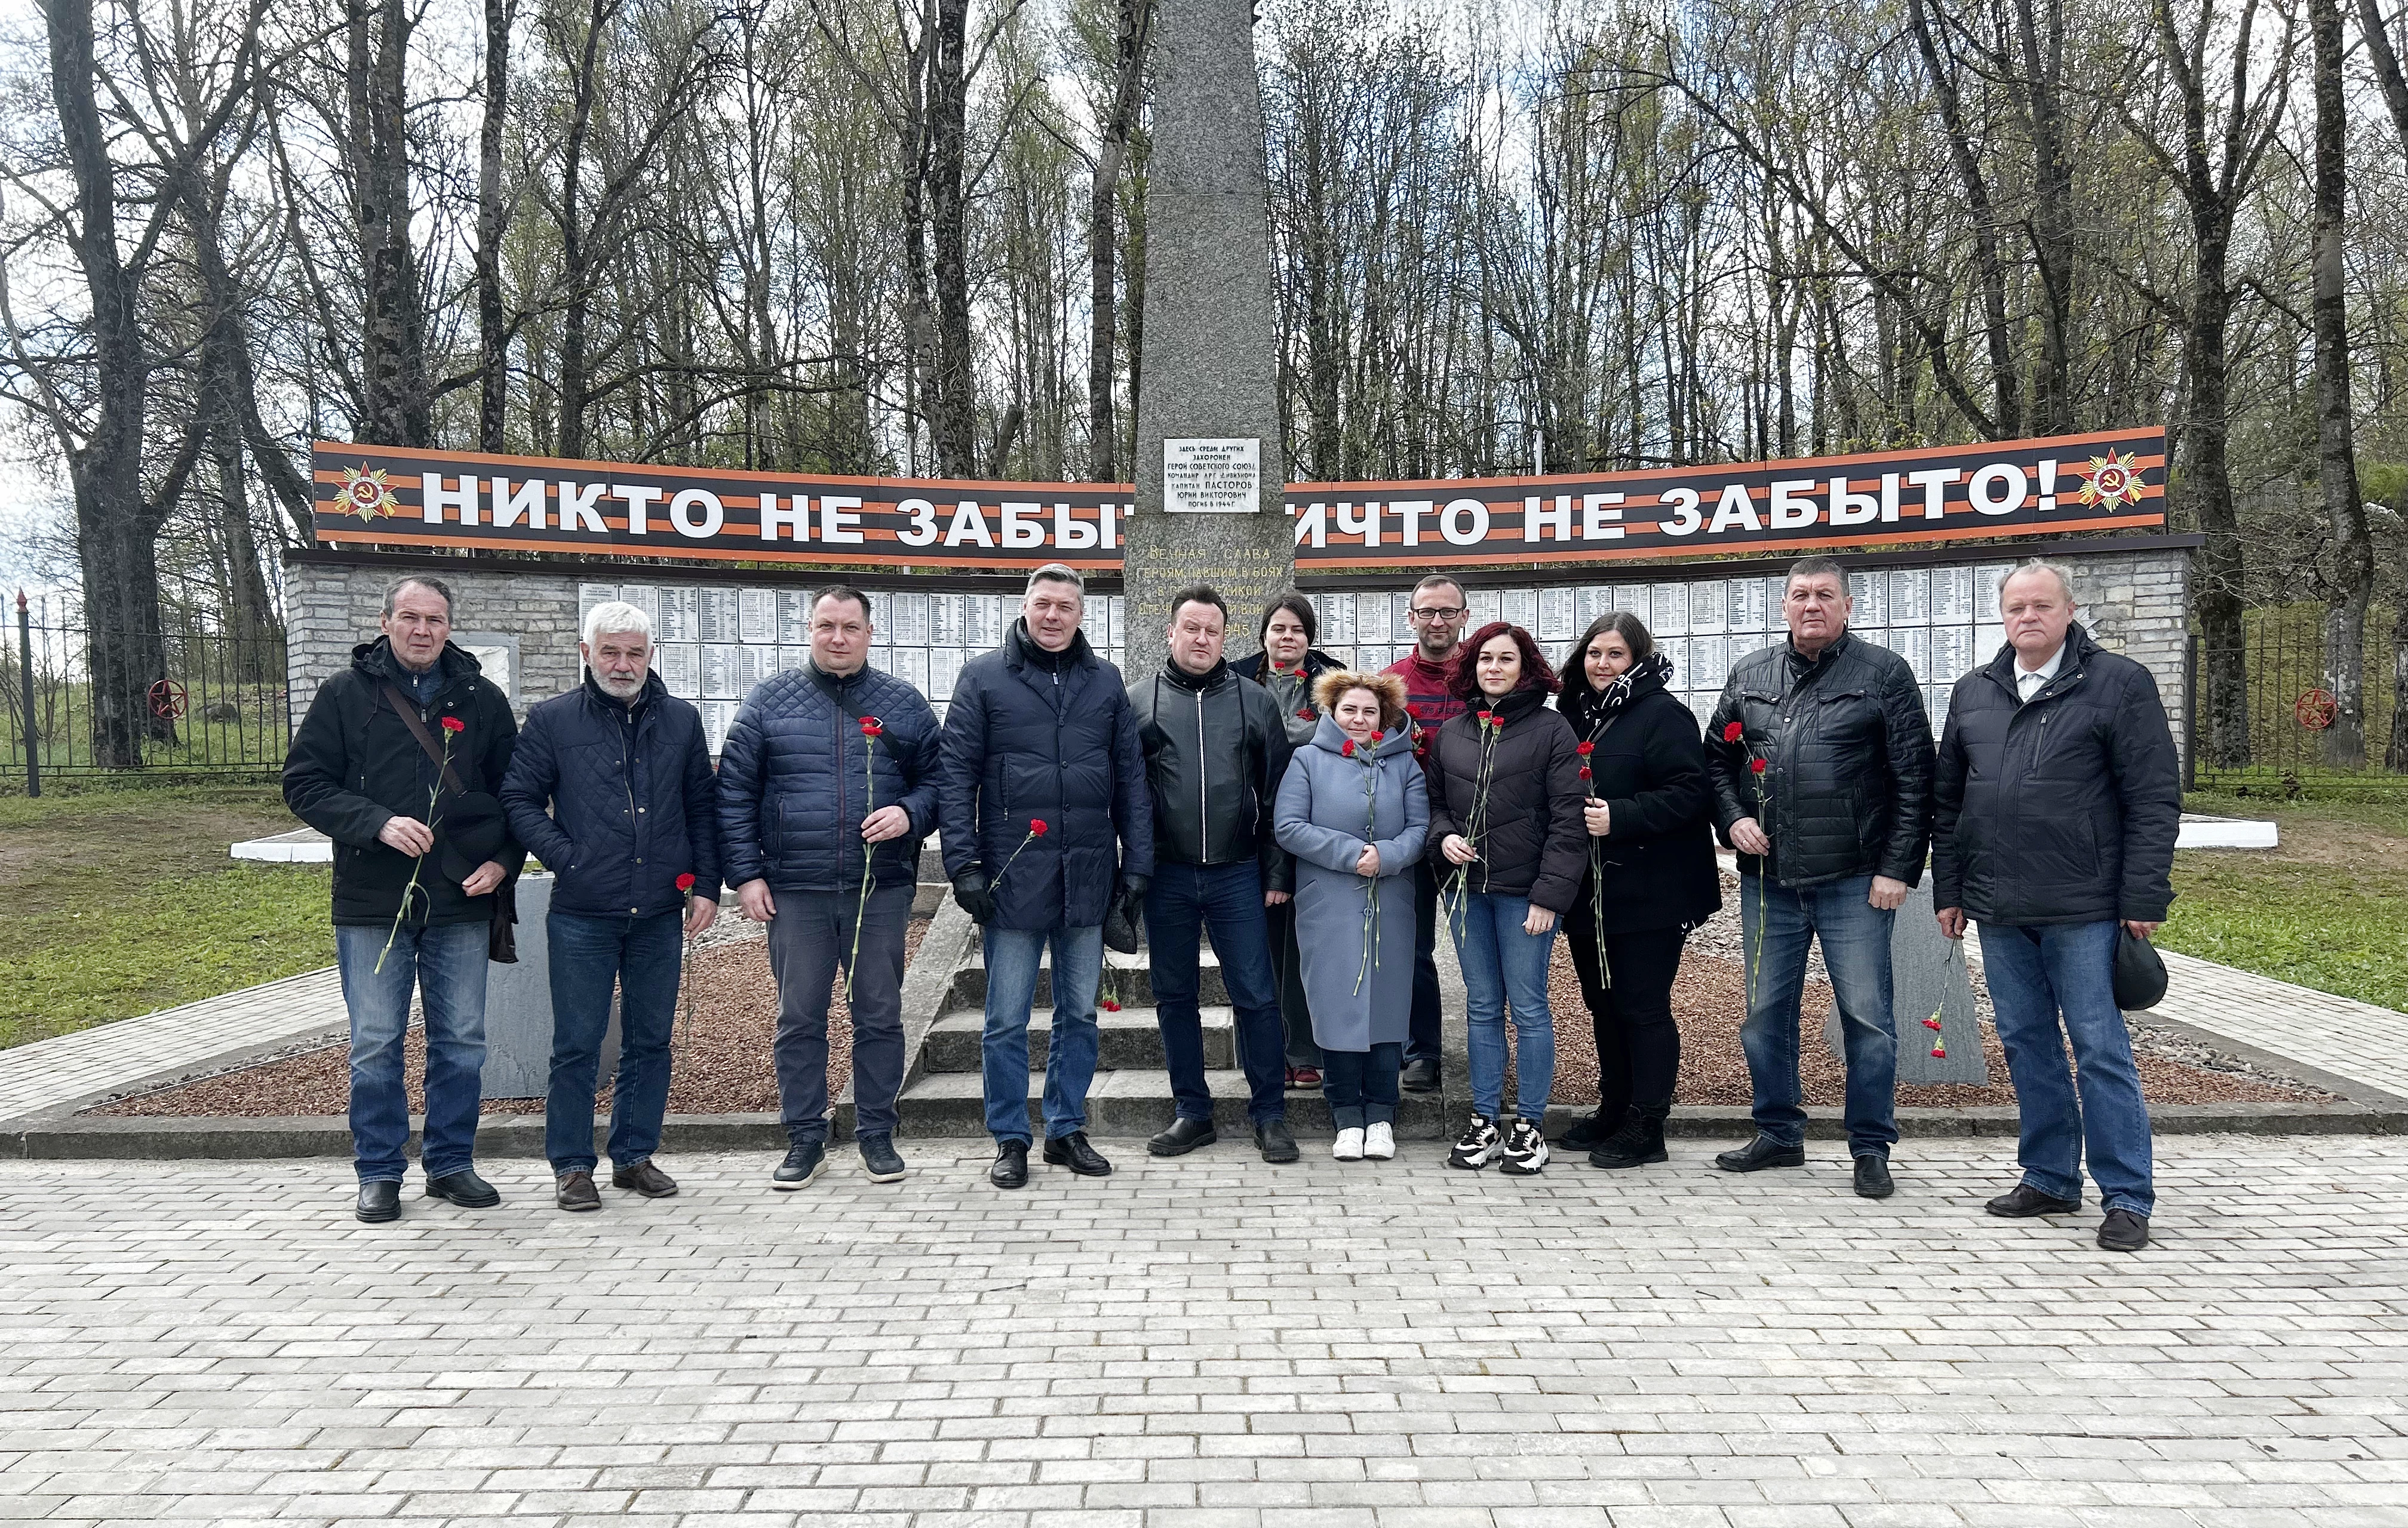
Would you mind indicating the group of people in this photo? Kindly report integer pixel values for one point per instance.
(1320, 825)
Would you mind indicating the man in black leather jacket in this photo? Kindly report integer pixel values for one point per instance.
(1820, 758)
(1214, 748)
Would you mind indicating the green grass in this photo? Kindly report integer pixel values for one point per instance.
(2328, 911)
(119, 902)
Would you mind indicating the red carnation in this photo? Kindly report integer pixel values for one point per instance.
(685, 882)
(1377, 734)
(1036, 827)
(1931, 1023)
(453, 723)
(1346, 748)
(1412, 711)
(1586, 750)
(1733, 732)
(1108, 1005)
(1584, 772)
(1755, 766)
(1304, 713)
(872, 727)
(1939, 1052)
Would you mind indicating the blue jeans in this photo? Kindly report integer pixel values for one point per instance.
(1777, 924)
(2039, 977)
(588, 956)
(1361, 1085)
(1011, 957)
(1227, 898)
(811, 938)
(447, 966)
(1502, 965)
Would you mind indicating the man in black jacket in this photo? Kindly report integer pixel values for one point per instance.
(612, 787)
(395, 762)
(1047, 821)
(1215, 750)
(1820, 758)
(2059, 795)
(828, 786)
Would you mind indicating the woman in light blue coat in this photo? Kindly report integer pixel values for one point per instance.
(1355, 811)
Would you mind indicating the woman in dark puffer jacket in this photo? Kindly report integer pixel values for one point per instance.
(1511, 844)
(1651, 878)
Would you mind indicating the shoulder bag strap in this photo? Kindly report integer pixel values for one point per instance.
(409, 715)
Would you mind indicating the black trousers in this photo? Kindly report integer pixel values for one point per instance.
(1287, 966)
(1629, 997)
(1422, 1042)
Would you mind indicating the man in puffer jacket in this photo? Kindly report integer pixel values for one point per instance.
(1820, 758)
(1048, 819)
(2059, 796)
(611, 784)
(827, 784)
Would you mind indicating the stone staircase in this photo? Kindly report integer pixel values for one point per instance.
(943, 1094)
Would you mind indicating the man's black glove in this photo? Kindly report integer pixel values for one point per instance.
(1122, 930)
(971, 891)
(1133, 889)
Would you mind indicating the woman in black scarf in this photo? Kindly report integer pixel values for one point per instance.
(1651, 877)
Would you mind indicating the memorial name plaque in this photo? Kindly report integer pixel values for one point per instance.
(1211, 477)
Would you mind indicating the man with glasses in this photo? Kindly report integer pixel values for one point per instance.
(1438, 611)
(1820, 758)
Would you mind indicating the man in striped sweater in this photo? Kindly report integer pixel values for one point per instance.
(1438, 610)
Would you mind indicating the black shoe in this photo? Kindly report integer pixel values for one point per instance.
(1011, 1169)
(1639, 1142)
(463, 1188)
(575, 1190)
(379, 1202)
(879, 1158)
(2124, 1231)
(1419, 1077)
(645, 1178)
(1184, 1135)
(1872, 1177)
(1591, 1130)
(2022, 1201)
(1073, 1151)
(1276, 1141)
(805, 1160)
(1760, 1154)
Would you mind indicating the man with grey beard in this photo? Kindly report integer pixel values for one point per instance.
(611, 785)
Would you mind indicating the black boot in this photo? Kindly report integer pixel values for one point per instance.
(1640, 1141)
(1593, 1130)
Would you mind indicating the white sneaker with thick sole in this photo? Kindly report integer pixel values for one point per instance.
(1348, 1146)
(1525, 1149)
(1478, 1145)
(1379, 1141)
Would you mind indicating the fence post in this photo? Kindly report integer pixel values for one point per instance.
(2190, 716)
(25, 671)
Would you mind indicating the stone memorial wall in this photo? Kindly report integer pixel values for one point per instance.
(720, 636)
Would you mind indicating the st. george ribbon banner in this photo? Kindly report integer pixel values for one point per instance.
(387, 496)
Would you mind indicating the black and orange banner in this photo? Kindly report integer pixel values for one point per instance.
(375, 496)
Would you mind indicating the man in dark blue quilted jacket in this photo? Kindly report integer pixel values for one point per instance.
(610, 785)
(1048, 821)
(827, 784)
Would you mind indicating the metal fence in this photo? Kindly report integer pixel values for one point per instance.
(2285, 744)
(218, 705)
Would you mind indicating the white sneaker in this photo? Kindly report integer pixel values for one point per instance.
(1478, 1145)
(1525, 1149)
(1348, 1147)
(1380, 1142)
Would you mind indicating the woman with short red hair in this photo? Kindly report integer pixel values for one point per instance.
(1512, 846)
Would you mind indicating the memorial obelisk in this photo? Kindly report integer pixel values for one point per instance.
(1210, 467)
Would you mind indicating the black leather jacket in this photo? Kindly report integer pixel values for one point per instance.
(1846, 789)
(1214, 753)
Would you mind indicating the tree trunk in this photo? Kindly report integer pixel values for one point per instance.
(575, 280)
(953, 427)
(2345, 741)
(1103, 198)
(115, 531)
(493, 223)
(2006, 394)
(2395, 756)
(2052, 219)
(400, 409)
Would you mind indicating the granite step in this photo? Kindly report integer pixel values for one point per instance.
(1129, 1040)
(1127, 979)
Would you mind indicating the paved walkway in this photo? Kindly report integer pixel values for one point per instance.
(1210, 1344)
(2352, 1039)
(49, 1073)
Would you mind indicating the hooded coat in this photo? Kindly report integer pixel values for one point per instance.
(1529, 830)
(1359, 975)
